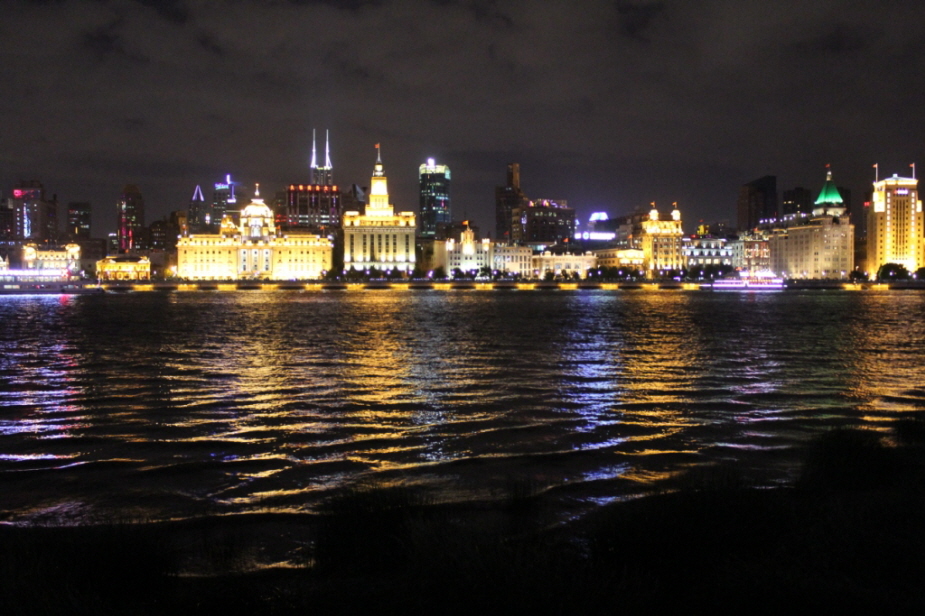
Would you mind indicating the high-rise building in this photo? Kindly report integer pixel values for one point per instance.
(317, 205)
(223, 200)
(434, 196)
(542, 222)
(507, 199)
(131, 219)
(895, 226)
(757, 204)
(36, 218)
(796, 202)
(78, 220)
(379, 238)
(197, 212)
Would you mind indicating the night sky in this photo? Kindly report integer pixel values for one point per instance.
(609, 105)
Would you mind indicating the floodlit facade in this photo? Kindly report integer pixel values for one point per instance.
(470, 255)
(65, 259)
(661, 243)
(563, 264)
(751, 253)
(253, 249)
(821, 248)
(124, 268)
(895, 225)
(380, 238)
(700, 251)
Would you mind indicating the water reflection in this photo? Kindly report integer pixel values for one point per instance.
(209, 403)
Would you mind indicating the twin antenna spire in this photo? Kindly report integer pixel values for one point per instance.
(327, 151)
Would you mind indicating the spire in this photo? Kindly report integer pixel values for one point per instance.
(378, 168)
(197, 194)
(314, 164)
(327, 150)
(257, 191)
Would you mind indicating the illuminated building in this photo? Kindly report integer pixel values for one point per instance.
(751, 252)
(65, 260)
(757, 204)
(567, 265)
(894, 225)
(700, 251)
(626, 259)
(316, 205)
(467, 254)
(661, 243)
(78, 220)
(542, 222)
(434, 184)
(222, 197)
(253, 249)
(123, 268)
(512, 260)
(823, 247)
(380, 238)
(131, 219)
(322, 176)
(507, 199)
(35, 218)
(196, 213)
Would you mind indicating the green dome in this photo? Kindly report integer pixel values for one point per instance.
(829, 194)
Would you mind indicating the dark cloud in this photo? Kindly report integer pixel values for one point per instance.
(609, 105)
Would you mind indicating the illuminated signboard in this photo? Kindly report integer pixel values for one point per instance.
(221, 187)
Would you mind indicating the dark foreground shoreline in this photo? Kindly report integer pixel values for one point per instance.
(846, 538)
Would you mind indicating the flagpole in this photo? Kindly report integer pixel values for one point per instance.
(876, 172)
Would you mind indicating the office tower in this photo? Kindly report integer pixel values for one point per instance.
(544, 221)
(78, 220)
(507, 199)
(196, 212)
(223, 200)
(796, 202)
(894, 225)
(379, 238)
(757, 204)
(131, 219)
(316, 206)
(434, 182)
(36, 218)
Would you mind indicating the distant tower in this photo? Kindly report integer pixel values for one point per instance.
(78, 220)
(131, 219)
(322, 176)
(757, 203)
(222, 197)
(316, 205)
(196, 212)
(434, 196)
(507, 199)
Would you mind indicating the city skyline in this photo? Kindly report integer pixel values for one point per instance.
(609, 106)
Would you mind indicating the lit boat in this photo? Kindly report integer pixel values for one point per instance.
(760, 282)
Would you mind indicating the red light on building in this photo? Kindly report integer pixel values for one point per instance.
(867, 204)
(17, 193)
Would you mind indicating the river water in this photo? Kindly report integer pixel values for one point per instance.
(174, 405)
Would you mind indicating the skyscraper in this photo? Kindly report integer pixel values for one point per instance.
(36, 218)
(196, 213)
(78, 220)
(131, 219)
(757, 204)
(434, 196)
(316, 205)
(507, 199)
(894, 225)
(222, 198)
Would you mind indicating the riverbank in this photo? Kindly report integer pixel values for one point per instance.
(427, 285)
(846, 537)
